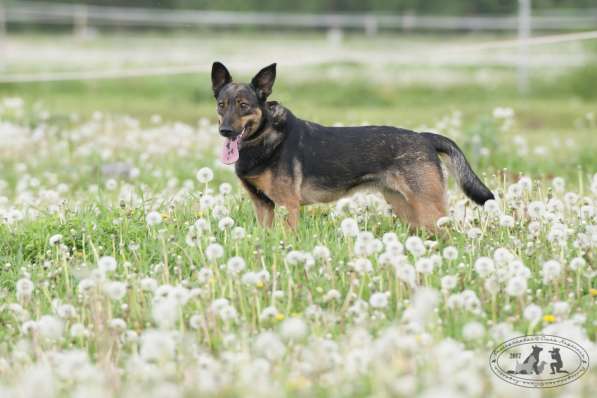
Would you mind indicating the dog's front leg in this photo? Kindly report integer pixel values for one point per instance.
(264, 212)
(293, 216)
(264, 207)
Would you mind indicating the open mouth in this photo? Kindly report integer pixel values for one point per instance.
(229, 152)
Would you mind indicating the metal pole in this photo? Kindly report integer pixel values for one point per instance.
(524, 32)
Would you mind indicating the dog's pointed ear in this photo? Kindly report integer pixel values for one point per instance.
(264, 81)
(219, 77)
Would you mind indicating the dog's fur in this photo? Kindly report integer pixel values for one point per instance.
(290, 162)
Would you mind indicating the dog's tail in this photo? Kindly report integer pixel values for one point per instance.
(459, 167)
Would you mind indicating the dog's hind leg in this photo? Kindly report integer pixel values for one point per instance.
(421, 200)
(400, 206)
(429, 201)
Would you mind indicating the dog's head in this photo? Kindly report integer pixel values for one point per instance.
(241, 107)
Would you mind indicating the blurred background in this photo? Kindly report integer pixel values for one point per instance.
(435, 64)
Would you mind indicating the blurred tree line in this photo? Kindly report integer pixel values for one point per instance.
(451, 7)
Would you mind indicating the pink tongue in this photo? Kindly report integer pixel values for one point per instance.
(229, 153)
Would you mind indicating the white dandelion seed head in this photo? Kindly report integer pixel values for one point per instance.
(158, 346)
(235, 265)
(225, 188)
(164, 312)
(407, 274)
(507, 221)
(115, 290)
(516, 286)
(55, 239)
(533, 313)
(492, 207)
(448, 282)
(450, 253)
(332, 295)
(561, 309)
(424, 265)
(205, 175)
(551, 270)
(214, 251)
(148, 284)
(484, 266)
(473, 331)
(362, 265)
(536, 209)
(379, 300)
(577, 263)
(415, 246)
(50, 327)
(269, 346)
(24, 288)
(153, 218)
(293, 328)
(349, 227)
(78, 331)
(107, 264)
(238, 233)
(321, 252)
(225, 223)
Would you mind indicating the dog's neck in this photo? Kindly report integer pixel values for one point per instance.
(263, 145)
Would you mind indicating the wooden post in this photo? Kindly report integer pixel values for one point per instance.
(524, 33)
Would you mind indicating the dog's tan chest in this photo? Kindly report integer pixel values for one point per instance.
(262, 182)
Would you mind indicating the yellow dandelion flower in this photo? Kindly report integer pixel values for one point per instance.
(593, 292)
(259, 284)
(280, 317)
(549, 318)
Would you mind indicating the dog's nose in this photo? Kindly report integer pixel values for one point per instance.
(226, 131)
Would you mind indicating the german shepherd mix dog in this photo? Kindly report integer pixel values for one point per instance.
(285, 161)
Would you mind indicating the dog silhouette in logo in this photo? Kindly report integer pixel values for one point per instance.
(557, 364)
(531, 364)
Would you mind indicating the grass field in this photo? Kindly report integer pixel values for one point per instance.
(133, 265)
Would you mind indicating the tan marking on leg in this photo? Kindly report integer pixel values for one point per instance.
(263, 182)
(420, 206)
(264, 211)
(400, 206)
(286, 192)
(282, 190)
(430, 202)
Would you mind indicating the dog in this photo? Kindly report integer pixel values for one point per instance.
(531, 363)
(282, 160)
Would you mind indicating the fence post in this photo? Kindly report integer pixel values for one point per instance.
(371, 26)
(524, 32)
(2, 33)
(80, 21)
(334, 36)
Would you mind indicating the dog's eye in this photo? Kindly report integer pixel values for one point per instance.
(220, 105)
